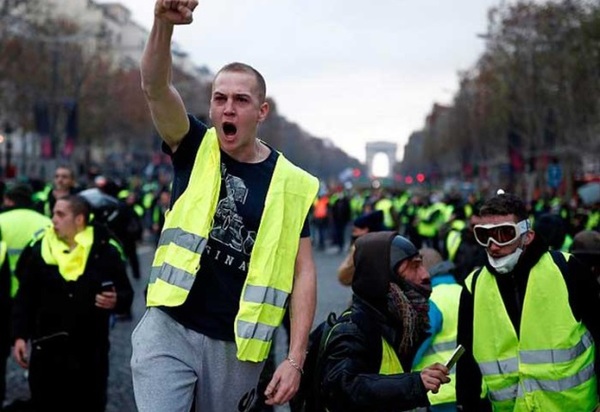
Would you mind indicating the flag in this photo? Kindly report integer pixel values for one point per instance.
(71, 128)
(42, 127)
(515, 150)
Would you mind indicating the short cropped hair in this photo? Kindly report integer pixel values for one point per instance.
(79, 206)
(504, 204)
(237, 67)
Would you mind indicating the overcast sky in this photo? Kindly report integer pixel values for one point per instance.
(347, 70)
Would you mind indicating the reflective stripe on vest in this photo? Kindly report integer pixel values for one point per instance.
(549, 367)
(390, 364)
(271, 268)
(446, 298)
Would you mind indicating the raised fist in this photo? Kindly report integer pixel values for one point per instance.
(175, 11)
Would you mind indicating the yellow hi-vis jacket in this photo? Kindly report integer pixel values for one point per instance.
(18, 227)
(550, 366)
(390, 364)
(271, 269)
(446, 298)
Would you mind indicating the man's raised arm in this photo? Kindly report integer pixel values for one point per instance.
(166, 106)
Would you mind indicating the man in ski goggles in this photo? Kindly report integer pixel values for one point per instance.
(501, 234)
(517, 312)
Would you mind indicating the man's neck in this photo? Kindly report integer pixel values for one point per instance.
(71, 241)
(257, 153)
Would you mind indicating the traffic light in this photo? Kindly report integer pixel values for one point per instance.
(420, 177)
(356, 172)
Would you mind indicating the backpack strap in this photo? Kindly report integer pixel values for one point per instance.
(329, 325)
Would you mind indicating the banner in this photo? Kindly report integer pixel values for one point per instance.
(42, 127)
(71, 129)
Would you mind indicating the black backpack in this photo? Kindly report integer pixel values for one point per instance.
(309, 397)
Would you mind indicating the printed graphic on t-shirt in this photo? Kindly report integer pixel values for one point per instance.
(228, 228)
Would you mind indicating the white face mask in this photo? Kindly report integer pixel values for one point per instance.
(506, 263)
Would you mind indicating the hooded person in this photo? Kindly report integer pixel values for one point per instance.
(369, 352)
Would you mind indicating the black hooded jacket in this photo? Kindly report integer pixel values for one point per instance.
(351, 379)
(583, 298)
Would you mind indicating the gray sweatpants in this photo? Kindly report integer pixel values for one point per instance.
(171, 364)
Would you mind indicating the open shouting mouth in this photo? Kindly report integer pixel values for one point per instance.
(229, 129)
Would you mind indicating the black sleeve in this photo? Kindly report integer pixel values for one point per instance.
(305, 228)
(184, 157)
(27, 298)
(120, 280)
(5, 307)
(584, 299)
(186, 152)
(351, 379)
(468, 375)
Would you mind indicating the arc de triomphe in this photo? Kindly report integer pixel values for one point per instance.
(388, 149)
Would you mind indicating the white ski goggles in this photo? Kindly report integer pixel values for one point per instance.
(501, 234)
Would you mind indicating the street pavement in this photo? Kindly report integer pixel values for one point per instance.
(331, 297)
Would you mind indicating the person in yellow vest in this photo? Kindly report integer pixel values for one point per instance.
(72, 277)
(369, 352)
(528, 321)
(5, 310)
(19, 222)
(443, 321)
(321, 217)
(63, 184)
(234, 250)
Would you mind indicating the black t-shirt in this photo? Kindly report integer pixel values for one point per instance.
(213, 301)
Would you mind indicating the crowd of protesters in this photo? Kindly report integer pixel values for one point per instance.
(99, 225)
(439, 220)
(438, 224)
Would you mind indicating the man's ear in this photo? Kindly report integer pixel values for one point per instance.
(528, 238)
(401, 268)
(80, 220)
(263, 111)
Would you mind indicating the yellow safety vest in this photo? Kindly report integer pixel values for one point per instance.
(271, 270)
(390, 364)
(454, 238)
(428, 227)
(386, 205)
(19, 227)
(446, 298)
(550, 366)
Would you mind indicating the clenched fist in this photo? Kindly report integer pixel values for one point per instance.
(175, 11)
